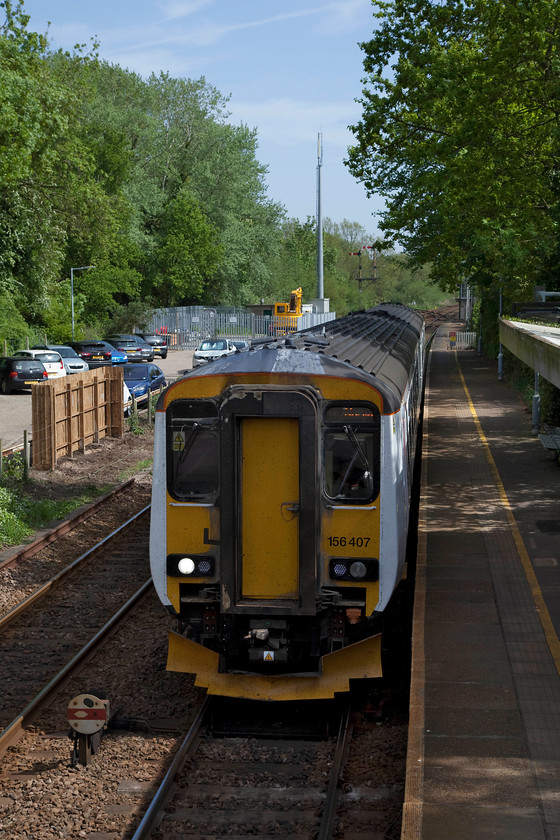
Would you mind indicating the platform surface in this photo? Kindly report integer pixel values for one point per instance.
(484, 749)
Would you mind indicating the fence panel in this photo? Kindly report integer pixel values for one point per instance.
(71, 413)
(466, 339)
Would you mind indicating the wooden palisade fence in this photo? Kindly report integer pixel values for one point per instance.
(70, 414)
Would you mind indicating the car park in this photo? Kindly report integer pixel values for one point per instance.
(158, 342)
(98, 353)
(70, 359)
(51, 360)
(147, 350)
(131, 348)
(212, 348)
(142, 379)
(17, 373)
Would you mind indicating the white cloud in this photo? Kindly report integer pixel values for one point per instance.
(346, 16)
(210, 32)
(173, 9)
(289, 122)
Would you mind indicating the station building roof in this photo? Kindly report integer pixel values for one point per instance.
(536, 345)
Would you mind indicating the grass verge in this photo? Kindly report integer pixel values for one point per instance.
(21, 513)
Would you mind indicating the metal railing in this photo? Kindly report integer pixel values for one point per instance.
(186, 326)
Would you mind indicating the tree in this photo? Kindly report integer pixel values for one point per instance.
(32, 134)
(459, 132)
(188, 254)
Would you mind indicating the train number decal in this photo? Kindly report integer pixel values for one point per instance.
(342, 542)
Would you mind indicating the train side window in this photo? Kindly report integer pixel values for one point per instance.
(193, 447)
(351, 440)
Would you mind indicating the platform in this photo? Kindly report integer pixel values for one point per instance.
(484, 748)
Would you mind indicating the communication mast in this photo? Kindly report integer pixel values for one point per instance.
(320, 289)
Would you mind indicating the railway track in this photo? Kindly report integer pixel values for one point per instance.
(63, 528)
(252, 786)
(273, 782)
(46, 634)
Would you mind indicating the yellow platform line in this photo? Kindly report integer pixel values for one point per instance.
(540, 605)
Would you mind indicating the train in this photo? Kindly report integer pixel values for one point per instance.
(280, 505)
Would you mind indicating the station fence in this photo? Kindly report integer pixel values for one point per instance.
(71, 413)
(186, 326)
(462, 339)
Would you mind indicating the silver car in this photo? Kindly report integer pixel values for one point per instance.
(70, 359)
(212, 348)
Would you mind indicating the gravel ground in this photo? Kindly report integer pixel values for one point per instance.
(44, 797)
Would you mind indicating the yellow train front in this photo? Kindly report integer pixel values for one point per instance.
(280, 503)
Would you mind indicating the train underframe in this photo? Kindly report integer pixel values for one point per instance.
(273, 644)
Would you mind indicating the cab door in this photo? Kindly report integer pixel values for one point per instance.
(269, 501)
(269, 504)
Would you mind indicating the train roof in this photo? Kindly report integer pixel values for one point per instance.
(378, 344)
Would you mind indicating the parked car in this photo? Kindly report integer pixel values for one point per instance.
(142, 379)
(240, 345)
(98, 353)
(158, 342)
(131, 348)
(70, 359)
(147, 350)
(50, 359)
(18, 373)
(212, 348)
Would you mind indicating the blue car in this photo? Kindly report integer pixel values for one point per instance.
(142, 380)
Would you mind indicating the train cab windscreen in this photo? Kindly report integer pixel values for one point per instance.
(351, 440)
(193, 450)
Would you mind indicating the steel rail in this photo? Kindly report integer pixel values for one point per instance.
(329, 811)
(64, 527)
(42, 590)
(11, 734)
(153, 815)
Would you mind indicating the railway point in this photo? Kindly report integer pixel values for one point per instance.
(484, 740)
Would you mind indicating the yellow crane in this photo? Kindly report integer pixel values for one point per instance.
(287, 315)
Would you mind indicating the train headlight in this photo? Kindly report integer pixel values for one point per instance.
(186, 566)
(190, 565)
(348, 568)
(358, 569)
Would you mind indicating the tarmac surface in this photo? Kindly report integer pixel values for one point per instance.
(15, 409)
(484, 748)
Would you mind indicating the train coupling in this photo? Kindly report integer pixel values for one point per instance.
(268, 641)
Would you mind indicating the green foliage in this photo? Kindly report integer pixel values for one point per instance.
(21, 512)
(134, 317)
(550, 403)
(522, 378)
(13, 528)
(146, 181)
(13, 328)
(460, 133)
(187, 254)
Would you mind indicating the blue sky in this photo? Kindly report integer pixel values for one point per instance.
(292, 69)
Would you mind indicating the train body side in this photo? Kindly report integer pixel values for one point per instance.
(280, 507)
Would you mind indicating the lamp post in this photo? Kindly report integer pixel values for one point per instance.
(72, 270)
